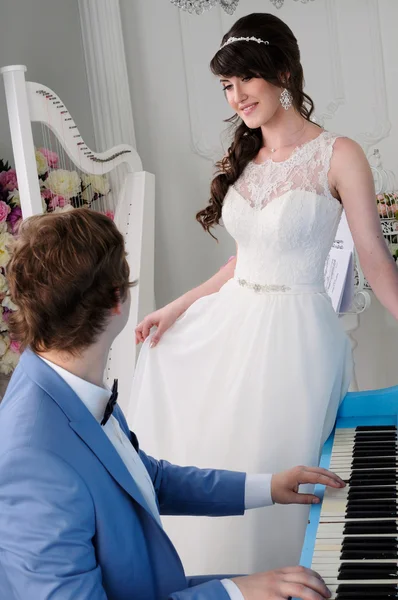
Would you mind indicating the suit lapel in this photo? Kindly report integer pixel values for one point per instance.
(82, 422)
(93, 436)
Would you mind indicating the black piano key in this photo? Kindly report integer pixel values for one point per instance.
(378, 477)
(373, 452)
(376, 595)
(379, 471)
(371, 465)
(376, 427)
(374, 471)
(384, 514)
(363, 435)
(374, 442)
(349, 571)
(372, 493)
(379, 461)
(361, 484)
(372, 591)
(363, 541)
(373, 511)
(376, 460)
(372, 501)
(369, 503)
(366, 481)
(369, 443)
(370, 527)
(372, 554)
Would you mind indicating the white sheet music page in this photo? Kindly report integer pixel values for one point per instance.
(339, 268)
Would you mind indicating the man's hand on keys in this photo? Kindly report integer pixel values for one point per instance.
(292, 582)
(285, 485)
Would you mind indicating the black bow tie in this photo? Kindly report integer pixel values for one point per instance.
(111, 403)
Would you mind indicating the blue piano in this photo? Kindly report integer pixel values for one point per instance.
(352, 536)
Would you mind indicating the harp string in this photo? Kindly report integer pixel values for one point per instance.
(89, 193)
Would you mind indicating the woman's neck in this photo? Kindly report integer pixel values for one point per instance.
(285, 130)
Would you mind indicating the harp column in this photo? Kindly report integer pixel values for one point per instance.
(107, 75)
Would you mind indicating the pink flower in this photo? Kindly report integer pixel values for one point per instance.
(56, 201)
(46, 194)
(383, 210)
(52, 157)
(15, 346)
(387, 211)
(380, 197)
(4, 211)
(110, 215)
(8, 180)
(393, 210)
(15, 219)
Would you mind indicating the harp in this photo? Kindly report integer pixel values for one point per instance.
(130, 195)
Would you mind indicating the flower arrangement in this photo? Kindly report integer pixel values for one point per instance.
(387, 207)
(60, 190)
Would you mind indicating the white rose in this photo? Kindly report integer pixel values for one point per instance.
(15, 197)
(3, 324)
(8, 303)
(63, 183)
(3, 284)
(5, 240)
(41, 162)
(4, 344)
(99, 184)
(8, 362)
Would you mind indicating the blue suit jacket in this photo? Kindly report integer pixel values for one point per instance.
(73, 523)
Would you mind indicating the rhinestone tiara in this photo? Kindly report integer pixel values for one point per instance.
(231, 40)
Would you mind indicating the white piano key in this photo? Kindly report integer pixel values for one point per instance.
(347, 461)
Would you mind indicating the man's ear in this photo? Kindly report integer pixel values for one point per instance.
(117, 309)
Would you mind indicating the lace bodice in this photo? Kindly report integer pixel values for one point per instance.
(284, 217)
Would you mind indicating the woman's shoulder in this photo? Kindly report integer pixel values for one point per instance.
(348, 157)
(346, 149)
(343, 145)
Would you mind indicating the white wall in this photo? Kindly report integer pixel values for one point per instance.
(349, 52)
(185, 255)
(45, 36)
(349, 49)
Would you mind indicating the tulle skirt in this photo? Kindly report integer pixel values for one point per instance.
(250, 382)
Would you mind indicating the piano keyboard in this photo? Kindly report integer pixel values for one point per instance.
(356, 547)
(352, 536)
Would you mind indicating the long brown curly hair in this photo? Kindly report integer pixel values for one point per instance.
(243, 59)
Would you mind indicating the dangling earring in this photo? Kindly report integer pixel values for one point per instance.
(286, 99)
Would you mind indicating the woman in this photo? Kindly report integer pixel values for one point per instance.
(254, 363)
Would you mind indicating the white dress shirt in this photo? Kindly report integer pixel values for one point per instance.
(95, 398)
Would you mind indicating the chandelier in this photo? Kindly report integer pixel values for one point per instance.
(199, 6)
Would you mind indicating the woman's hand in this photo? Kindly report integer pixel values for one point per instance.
(162, 319)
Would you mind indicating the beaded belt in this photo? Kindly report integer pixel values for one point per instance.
(270, 288)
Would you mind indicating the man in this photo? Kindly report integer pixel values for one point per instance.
(79, 502)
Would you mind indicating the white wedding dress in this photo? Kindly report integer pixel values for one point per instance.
(250, 378)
